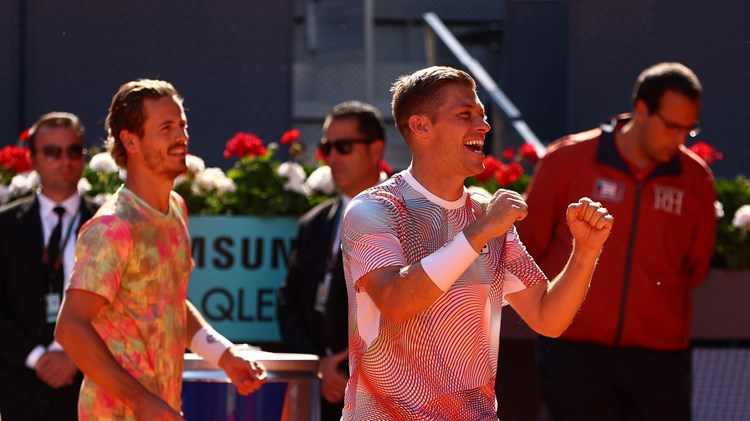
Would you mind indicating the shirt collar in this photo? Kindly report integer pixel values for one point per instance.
(71, 204)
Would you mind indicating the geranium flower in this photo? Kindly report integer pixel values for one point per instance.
(295, 177)
(509, 174)
(491, 166)
(321, 180)
(290, 136)
(741, 218)
(509, 153)
(244, 144)
(212, 180)
(528, 152)
(384, 167)
(15, 159)
(103, 162)
(707, 152)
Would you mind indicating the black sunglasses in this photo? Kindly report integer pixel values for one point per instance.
(342, 146)
(53, 153)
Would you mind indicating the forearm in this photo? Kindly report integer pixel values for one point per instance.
(565, 294)
(84, 346)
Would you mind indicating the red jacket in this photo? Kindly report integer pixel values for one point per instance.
(659, 250)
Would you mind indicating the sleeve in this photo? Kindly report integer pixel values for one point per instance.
(101, 256)
(702, 251)
(369, 237)
(521, 271)
(295, 336)
(542, 197)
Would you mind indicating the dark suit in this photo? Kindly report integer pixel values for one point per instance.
(304, 329)
(23, 285)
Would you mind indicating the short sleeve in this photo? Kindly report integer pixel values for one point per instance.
(101, 255)
(369, 236)
(519, 264)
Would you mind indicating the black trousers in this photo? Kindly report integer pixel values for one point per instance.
(587, 381)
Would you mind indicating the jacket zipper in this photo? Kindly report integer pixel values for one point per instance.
(626, 280)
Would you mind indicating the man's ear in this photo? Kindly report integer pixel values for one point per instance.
(641, 111)
(377, 149)
(419, 125)
(128, 140)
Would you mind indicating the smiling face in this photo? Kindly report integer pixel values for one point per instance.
(457, 127)
(162, 149)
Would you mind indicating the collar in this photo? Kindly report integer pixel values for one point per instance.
(71, 204)
(608, 154)
(455, 204)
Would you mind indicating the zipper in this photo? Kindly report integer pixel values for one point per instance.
(629, 258)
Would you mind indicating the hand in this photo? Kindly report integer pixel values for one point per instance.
(505, 208)
(332, 380)
(246, 375)
(589, 223)
(56, 369)
(152, 408)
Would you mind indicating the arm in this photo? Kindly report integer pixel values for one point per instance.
(246, 375)
(85, 347)
(401, 293)
(549, 308)
(701, 249)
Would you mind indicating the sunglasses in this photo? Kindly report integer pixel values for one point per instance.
(342, 146)
(53, 153)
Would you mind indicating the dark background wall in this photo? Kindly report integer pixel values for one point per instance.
(571, 64)
(230, 60)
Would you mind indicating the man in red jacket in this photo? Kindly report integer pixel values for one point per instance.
(626, 356)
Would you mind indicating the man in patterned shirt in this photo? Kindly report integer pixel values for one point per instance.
(429, 266)
(126, 320)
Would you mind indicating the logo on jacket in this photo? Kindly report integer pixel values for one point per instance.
(609, 190)
(668, 199)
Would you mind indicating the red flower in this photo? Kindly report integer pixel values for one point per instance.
(24, 136)
(706, 151)
(509, 174)
(385, 167)
(320, 157)
(15, 159)
(528, 152)
(491, 166)
(290, 136)
(509, 153)
(244, 144)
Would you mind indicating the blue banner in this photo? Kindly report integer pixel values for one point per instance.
(240, 263)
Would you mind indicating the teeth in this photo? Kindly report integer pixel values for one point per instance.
(475, 142)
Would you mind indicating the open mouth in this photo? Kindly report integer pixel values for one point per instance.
(178, 151)
(474, 145)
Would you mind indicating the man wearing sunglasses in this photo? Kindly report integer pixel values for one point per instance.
(313, 301)
(626, 356)
(39, 381)
(429, 265)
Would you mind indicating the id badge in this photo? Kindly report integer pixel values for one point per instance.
(321, 298)
(53, 306)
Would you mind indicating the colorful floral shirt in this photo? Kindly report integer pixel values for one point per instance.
(139, 260)
(440, 364)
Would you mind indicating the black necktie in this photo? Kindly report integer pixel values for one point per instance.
(53, 251)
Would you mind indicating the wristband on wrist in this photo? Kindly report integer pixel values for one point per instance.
(447, 264)
(209, 344)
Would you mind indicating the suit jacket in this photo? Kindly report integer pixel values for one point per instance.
(23, 285)
(304, 329)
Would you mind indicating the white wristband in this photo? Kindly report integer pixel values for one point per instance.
(209, 344)
(447, 264)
